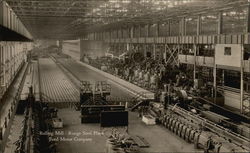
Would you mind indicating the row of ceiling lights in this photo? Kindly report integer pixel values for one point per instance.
(123, 8)
(112, 7)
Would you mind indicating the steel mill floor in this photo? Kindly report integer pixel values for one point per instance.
(59, 82)
(169, 142)
(96, 143)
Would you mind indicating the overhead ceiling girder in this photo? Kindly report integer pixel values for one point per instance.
(63, 17)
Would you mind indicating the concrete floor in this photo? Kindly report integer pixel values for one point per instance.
(159, 138)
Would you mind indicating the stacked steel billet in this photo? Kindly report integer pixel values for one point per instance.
(79, 71)
(203, 133)
(55, 86)
(66, 71)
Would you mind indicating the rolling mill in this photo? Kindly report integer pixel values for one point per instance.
(124, 76)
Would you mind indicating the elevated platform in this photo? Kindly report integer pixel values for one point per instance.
(8, 105)
(31, 80)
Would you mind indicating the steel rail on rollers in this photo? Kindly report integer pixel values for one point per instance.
(140, 95)
(240, 140)
(223, 111)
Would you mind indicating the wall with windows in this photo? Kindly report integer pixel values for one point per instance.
(191, 26)
(174, 28)
(72, 48)
(164, 29)
(234, 20)
(93, 49)
(153, 30)
(209, 24)
(144, 30)
(227, 21)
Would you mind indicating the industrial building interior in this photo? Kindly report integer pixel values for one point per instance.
(124, 76)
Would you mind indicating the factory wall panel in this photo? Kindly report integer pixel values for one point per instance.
(72, 48)
(136, 32)
(209, 24)
(228, 55)
(235, 22)
(12, 56)
(232, 99)
(164, 29)
(247, 66)
(205, 61)
(191, 26)
(200, 39)
(46, 43)
(10, 21)
(1, 12)
(93, 48)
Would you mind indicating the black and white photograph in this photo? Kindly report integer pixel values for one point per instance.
(124, 76)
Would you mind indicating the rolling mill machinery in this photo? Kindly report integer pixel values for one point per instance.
(197, 120)
(38, 120)
(96, 109)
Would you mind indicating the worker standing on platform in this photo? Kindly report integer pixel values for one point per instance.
(177, 77)
(152, 82)
(126, 73)
(136, 74)
(141, 77)
(116, 71)
(130, 73)
(157, 80)
(162, 71)
(146, 79)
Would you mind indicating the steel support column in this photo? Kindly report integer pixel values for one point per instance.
(215, 81)
(154, 51)
(132, 32)
(183, 27)
(122, 35)
(242, 80)
(195, 54)
(147, 30)
(116, 33)
(157, 30)
(169, 28)
(139, 27)
(248, 18)
(145, 50)
(199, 25)
(220, 23)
